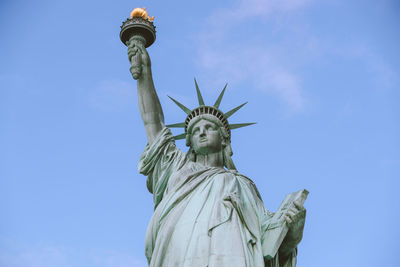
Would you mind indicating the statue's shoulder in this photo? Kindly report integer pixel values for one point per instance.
(245, 179)
(241, 175)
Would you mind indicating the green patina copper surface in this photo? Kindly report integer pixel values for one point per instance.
(205, 212)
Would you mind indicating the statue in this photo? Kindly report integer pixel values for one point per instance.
(205, 212)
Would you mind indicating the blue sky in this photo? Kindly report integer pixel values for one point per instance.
(322, 82)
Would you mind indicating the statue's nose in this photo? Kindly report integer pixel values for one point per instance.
(202, 132)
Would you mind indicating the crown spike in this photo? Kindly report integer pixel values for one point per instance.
(199, 96)
(185, 109)
(181, 136)
(220, 97)
(232, 111)
(176, 125)
(240, 125)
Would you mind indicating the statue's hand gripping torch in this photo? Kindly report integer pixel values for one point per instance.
(136, 32)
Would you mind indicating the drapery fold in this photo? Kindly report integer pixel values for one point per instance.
(204, 216)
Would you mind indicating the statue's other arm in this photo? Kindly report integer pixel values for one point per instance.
(295, 219)
(149, 103)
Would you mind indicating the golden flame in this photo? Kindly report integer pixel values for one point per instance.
(141, 12)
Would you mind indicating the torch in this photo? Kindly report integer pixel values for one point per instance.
(139, 27)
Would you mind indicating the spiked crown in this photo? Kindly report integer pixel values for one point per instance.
(203, 109)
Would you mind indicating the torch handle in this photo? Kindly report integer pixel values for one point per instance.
(136, 58)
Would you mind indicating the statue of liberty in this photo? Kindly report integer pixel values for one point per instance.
(205, 212)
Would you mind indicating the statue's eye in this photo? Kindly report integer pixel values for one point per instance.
(210, 127)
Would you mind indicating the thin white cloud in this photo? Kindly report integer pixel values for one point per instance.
(112, 258)
(242, 58)
(381, 72)
(112, 95)
(36, 256)
(40, 255)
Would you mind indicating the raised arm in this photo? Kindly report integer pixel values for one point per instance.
(149, 103)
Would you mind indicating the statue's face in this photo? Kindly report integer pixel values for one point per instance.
(205, 138)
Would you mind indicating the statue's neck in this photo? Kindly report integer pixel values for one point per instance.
(211, 160)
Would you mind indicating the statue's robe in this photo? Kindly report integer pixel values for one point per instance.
(204, 216)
